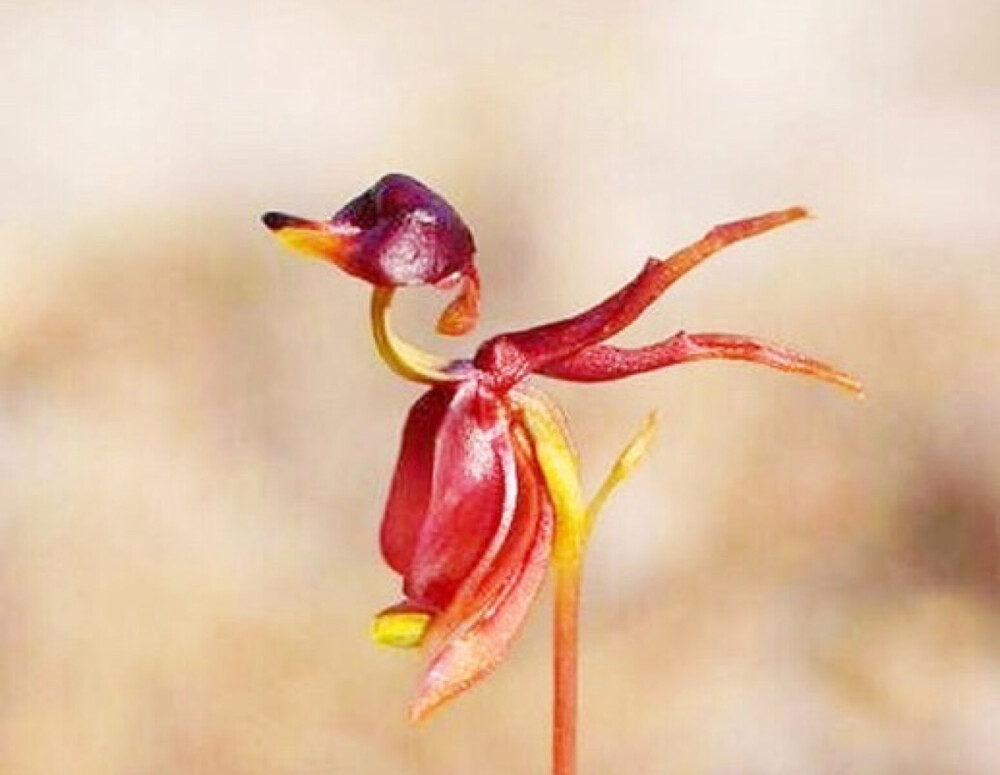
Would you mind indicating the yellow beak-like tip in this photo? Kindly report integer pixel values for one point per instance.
(309, 238)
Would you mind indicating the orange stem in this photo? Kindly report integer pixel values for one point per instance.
(567, 609)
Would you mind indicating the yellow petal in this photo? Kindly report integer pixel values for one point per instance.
(309, 238)
(400, 629)
(562, 476)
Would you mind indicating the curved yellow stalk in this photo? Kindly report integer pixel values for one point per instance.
(405, 359)
(628, 460)
(556, 456)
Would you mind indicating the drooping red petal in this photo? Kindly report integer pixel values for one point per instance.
(601, 362)
(410, 491)
(497, 568)
(468, 500)
(472, 636)
(554, 341)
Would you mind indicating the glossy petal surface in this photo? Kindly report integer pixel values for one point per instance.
(410, 492)
(397, 233)
(407, 234)
(453, 493)
(468, 640)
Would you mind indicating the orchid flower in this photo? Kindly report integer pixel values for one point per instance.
(486, 494)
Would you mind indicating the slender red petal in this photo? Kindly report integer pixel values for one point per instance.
(547, 343)
(470, 639)
(604, 362)
(471, 495)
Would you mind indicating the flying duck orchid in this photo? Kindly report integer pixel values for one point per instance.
(486, 495)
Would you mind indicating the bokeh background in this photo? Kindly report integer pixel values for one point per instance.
(196, 437)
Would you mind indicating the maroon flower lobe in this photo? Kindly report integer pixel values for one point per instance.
(453, 493)
(397, 233)
(405, 234)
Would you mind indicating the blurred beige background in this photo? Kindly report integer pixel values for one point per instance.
(196, 437)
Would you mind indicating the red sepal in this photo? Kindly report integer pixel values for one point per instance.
(601, 362)
(552, 342)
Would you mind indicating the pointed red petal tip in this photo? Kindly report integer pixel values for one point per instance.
(472, 656)
(602, 362)
(775, 356)
(758, 224)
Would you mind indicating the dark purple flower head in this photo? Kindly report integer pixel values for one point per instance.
(397, 233)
